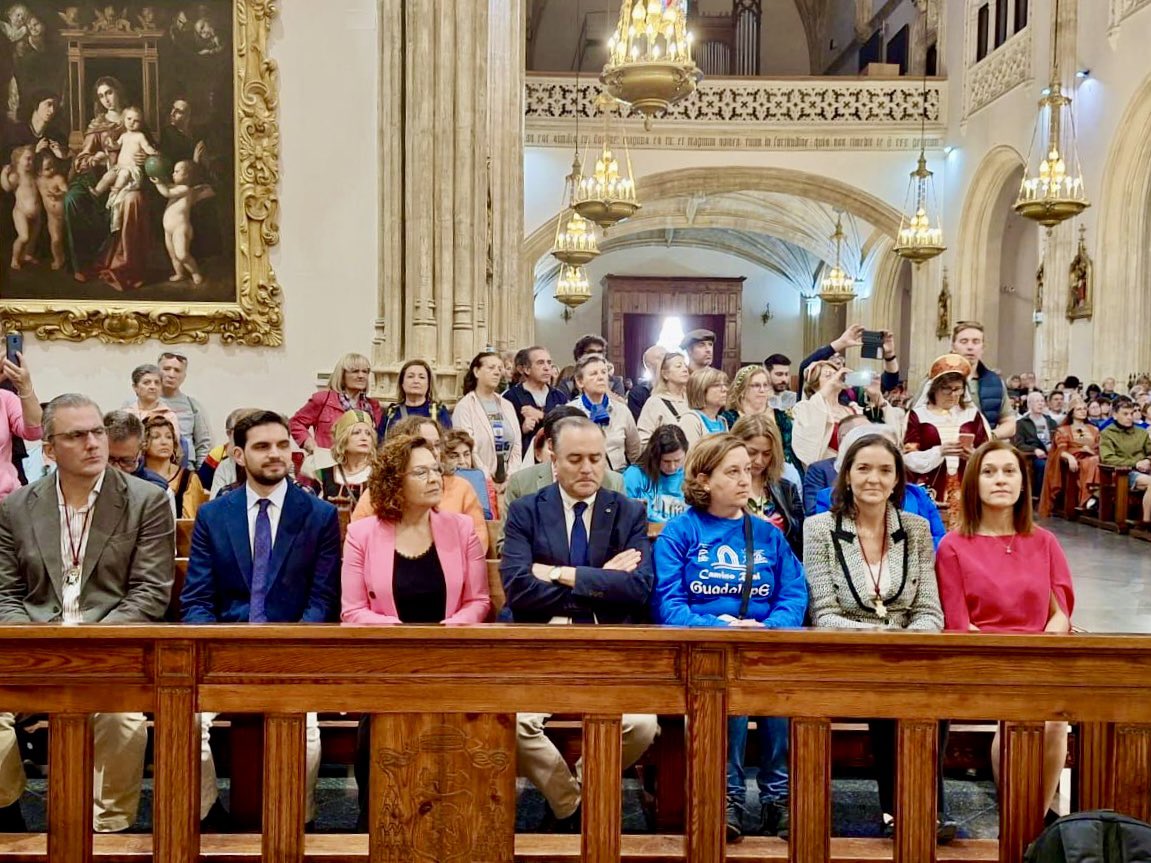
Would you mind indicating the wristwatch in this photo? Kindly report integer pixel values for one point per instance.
(554, 575)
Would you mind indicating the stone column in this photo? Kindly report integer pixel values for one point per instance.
(1053, 336)
(448, 133)
(811, 329)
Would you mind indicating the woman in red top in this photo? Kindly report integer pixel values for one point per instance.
(312, 425)
(1000, 573)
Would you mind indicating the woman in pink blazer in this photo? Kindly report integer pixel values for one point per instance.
(411, 563)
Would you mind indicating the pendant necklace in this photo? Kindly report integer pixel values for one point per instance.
(874, 576)
(1007, 547)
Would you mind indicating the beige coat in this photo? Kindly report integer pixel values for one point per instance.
(656, 413)
(471, 417)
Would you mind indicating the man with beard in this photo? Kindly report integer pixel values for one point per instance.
(267, 552)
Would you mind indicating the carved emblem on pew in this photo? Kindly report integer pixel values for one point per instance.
(443, 790)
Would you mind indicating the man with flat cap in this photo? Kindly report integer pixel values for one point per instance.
(700, 348)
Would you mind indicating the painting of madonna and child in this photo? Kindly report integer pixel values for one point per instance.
(116, 164)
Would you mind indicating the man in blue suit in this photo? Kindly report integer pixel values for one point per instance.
(575, 552)
(267, 552)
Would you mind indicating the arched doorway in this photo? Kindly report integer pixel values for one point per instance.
(980, 277)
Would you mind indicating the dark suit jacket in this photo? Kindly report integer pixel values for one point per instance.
(819, 475)
(304, 581)
(521, 398)
(1027, 435)
(536, 532)
(127, 574)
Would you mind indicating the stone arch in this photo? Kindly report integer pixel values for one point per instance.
(1123, 280)
(976, 288)
(716, 181)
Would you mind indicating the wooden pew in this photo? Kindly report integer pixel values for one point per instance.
(443, 700)
(184, 536)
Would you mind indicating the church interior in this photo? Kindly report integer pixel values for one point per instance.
(842, 189)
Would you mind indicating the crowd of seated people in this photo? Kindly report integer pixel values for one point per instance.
(857, 502)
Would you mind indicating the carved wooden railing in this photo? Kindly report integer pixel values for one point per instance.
(443, 734)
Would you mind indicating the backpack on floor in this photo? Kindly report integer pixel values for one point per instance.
(1099, 836)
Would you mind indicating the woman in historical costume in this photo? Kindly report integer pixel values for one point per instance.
(1076, 442)
(942, 431)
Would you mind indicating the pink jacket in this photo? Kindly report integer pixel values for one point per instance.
(12, 425)
(320, 412)
(369, 557)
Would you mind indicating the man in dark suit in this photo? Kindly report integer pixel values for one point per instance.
(575, 553)
(267, 552)
(87, 544)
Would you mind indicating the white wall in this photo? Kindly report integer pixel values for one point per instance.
(327, 261)
(783, 334)
(783, 40)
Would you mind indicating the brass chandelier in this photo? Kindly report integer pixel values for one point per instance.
(607, 197)
(1054, 192)
(575, 242)
(572, 288)
(649, 65)
(837, 288)
(921, 236)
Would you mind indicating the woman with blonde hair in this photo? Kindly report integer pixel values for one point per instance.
(311, 426)
(353, 451)
(707, 395)
(748, 395)
(668, 401)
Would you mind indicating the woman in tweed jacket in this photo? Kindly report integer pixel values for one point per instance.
(871, 566)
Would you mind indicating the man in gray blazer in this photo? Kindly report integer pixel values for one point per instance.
(87, 544)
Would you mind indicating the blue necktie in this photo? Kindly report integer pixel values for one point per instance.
(261, 562)
(578, 542)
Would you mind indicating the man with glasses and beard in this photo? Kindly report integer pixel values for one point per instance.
(87, 544)
(267, 552)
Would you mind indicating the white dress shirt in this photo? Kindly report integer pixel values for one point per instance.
(276, 496)
(75, 526)
(569, 513)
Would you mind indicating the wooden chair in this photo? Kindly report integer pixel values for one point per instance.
(184, 536)
(654, 529)
(1115, 501)
(495, 534)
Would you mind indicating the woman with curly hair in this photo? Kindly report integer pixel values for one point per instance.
(412, 563)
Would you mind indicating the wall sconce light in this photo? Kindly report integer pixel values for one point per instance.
(1007, 289)
(1037, 317)
(767, 314)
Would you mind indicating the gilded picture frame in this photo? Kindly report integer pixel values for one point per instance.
(254, 314)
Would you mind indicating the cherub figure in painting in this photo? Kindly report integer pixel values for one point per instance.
(147, 19)
(182, 196)
(19, 179)
(52, 183)
(126, 175)
(71, 17)
(109, 20)
(207, 42)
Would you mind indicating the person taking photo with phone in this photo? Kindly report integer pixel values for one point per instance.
(943, 429)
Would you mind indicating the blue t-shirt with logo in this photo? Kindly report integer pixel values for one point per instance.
(700, 564)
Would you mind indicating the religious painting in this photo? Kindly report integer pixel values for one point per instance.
(138, 166)
(1079, 293)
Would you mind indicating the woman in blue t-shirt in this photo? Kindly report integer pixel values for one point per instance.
(657, 478)
(702, 579)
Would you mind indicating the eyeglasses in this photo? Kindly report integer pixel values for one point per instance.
(426, 473)
(82, 434)
(129, 463)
